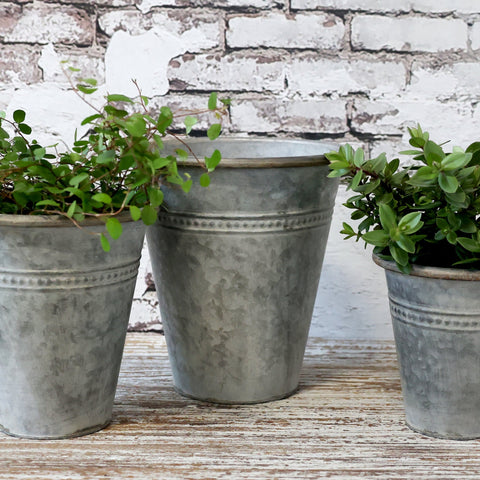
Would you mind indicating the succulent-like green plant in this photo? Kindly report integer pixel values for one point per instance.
(119, 165)
(422, 212)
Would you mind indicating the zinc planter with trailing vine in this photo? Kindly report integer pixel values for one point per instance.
(64, 305)
(237, 267)
(436, 322)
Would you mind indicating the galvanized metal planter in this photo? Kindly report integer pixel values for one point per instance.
(64, 309)
(237, 267)
(436, 322)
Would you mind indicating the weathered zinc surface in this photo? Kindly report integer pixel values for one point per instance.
(346, 422)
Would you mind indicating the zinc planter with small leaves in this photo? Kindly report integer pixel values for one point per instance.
(237, 267)
(422, 219)
(65, 306)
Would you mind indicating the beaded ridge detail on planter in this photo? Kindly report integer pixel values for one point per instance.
(247, 224)
(428, 318)
(51, 280)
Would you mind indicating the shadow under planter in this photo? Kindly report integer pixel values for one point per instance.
(237, 267)
(64, 309)
(436, 323)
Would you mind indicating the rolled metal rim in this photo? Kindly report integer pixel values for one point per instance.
(54, 220)
(431, 272)
(317, 157)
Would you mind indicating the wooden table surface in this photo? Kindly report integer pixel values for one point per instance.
(345, 422)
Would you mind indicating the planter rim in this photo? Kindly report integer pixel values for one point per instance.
(10, 220)
(431, 272)
(281, 161)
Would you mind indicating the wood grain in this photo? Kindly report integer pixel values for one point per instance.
(345, 422)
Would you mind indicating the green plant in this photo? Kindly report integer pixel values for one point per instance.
(119, 165)
(425, 212)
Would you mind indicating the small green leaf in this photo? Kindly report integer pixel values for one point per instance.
(399, 255)
(71, 209)
(205, 180)
(387, 217)
(469, 244)
(136, 125)
(106, 157)
(212, 101)
(87, 90)
(448, 183)
(182, 154)
(77, 179)
(379, 238)
(189, 123)
(155, 196)
(409, 221)
(214, 131)
(24, 128)
(135, 213)
(164, 120)
(149, 215)
(102, 198)
(47, 203)
(119, 98)
(359, 157)
(114, 227)
(105, 243)
(433, 152)
(19, 116)
(212, 162)
(405, 243)
(186, 186)
(91, 118)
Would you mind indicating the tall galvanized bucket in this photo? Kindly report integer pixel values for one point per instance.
(64, 309)
(436, 323)
(237, 267)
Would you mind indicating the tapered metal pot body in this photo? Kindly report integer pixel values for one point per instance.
(64, 309)
(436, 323)
(237, 267)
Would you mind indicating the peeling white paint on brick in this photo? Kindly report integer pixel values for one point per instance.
(312, 75)
(457, 81)
(408, 34)
(44, 23)
(426, 6)
(146, 5)
(445, 121)
(197, 30)
(250, 71)
(264, 115)
(475, 36)
(126, 58)
(277, 30)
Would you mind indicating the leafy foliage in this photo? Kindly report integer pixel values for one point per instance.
(118, 165)
(425, 213)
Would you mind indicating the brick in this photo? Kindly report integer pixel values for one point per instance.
(445, 121)
(146, 5)
(274, 29)
(312, 75)
(44, 23)
(355, 5)
(389, 146)
(405, 34)
(19, 65)
(9, 17)
(265, 115)
(390, 6)
(455, 81)
(259, 72)
(197, 29)
(475, 36)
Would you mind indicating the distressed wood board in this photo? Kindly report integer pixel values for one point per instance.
(345, 422)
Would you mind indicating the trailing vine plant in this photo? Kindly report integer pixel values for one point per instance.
(119, 165)
(425, 212)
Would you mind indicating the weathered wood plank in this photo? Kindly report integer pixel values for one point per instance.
(345, 422)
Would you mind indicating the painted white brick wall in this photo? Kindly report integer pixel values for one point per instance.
(336, 70)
